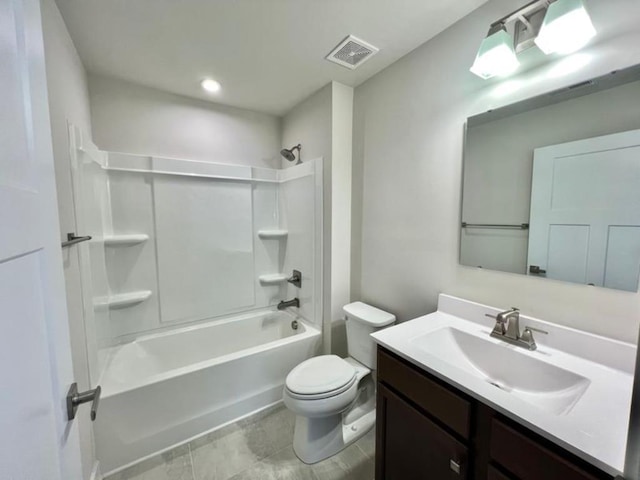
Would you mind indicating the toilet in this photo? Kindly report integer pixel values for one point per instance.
(334, 398)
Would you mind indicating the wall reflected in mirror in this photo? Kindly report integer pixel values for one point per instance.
(551, 185)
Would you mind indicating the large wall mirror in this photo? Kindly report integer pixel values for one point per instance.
(552, 185)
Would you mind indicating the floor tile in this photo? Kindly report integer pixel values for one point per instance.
(173, 465)
(269, 434)
(349, 464)
(284, 465)
(368, 443)
(259, 447)
(218, 456)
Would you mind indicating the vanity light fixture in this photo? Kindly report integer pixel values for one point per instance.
(496, 56)
(210, 85)
(555, 26)
(566, 28)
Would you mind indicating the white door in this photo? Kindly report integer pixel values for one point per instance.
(36, 441)
(585, 211)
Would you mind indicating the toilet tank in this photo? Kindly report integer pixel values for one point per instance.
(362, 320)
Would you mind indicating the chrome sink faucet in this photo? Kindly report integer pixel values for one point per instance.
(507, 328)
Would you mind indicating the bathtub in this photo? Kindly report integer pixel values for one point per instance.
(164, 389)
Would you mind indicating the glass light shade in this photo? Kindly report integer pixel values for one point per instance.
(496, 56)
(566, 27)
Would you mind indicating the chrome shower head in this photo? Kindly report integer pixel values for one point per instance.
(288, 154)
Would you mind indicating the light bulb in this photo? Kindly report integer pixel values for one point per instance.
(566, 28)
(210, 85)
(496, 56)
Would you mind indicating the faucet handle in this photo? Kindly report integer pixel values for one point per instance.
(527, 337)
(538, 330)
(498, 316)
(499, 328)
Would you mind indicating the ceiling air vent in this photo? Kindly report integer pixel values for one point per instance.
(352, 52)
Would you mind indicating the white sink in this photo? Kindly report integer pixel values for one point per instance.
(574, 390)
(507, 367)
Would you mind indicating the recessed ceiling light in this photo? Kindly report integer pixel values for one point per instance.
(210, 85)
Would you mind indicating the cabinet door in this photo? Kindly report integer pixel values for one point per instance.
(411, 447)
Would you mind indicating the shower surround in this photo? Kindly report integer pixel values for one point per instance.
(187, 263)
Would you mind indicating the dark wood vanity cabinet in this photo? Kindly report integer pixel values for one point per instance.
(428, 430)
(406, 432)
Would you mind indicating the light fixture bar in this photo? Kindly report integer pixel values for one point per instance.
(526, 11)
(555, 26)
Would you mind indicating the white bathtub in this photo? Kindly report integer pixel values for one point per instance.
(164, 389)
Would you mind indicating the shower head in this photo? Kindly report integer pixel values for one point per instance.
(288, 154)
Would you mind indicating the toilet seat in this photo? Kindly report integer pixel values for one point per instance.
(320, 377)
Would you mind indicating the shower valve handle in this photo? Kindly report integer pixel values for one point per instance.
(296, 278)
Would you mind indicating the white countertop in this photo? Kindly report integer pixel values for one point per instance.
(594, 428)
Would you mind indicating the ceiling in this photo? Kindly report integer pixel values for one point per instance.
(267, 54)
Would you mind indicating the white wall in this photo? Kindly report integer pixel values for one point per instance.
(499, 163)
(134, 119)
(68, 102)
(322, 124)
(408, 136)
(341, 167)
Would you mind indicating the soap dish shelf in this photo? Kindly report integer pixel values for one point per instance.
(123, 300)
(275, 234)
(273, 279)
(125, 240)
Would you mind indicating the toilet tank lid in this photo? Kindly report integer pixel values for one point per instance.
(370, 315)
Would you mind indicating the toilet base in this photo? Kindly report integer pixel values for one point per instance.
(316, 439)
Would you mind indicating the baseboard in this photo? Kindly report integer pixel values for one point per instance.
(95, 473)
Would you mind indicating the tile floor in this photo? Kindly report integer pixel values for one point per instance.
(258, 447)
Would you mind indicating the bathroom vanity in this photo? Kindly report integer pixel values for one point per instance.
(456, 403)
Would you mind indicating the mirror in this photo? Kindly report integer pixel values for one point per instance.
(551, 185)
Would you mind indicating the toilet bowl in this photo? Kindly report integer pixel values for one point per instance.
(334, 398)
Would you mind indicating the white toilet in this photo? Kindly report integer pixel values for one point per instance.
(334, 398)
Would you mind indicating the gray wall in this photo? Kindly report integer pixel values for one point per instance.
(134, 119)
(68, 102)
(499, 162)
(408, 136)
(323, 123)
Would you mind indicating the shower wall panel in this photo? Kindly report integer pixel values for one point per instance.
(132, 267)
(204, 239)
(300, 204)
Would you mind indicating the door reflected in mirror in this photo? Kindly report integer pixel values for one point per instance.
(552, 185)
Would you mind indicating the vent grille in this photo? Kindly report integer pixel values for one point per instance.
(352, 52)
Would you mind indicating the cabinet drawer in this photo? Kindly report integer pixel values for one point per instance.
(445, 405)
(495, 474)
(529, 460)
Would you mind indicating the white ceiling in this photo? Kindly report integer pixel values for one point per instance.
(267, 54)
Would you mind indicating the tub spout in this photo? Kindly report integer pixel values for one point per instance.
(289, 303)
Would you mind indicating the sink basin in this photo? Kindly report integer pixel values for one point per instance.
(541, 384)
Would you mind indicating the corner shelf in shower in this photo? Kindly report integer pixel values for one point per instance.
(123, 300)
(125, 240)
(273, 234)
(273, 279)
